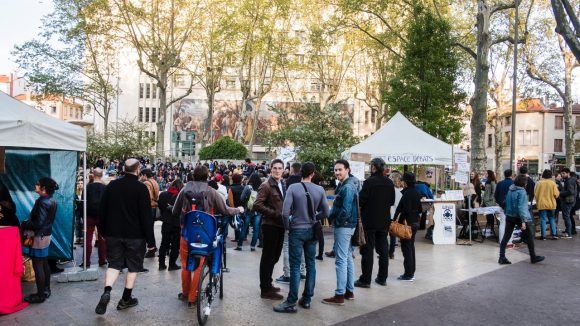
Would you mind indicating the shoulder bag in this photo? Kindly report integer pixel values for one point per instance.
(317, 226)
(359, 237)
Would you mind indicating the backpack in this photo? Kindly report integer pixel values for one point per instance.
(252, 199)
(195, 200)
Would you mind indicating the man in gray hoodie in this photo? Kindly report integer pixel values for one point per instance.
(304, 204)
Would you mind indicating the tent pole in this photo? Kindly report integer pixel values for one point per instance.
(85, 210)
(436, 181)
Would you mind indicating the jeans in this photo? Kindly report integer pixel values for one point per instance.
(343, 262)
(566, 212)
(376, 240)
(254, 219)
(546, 214)
(92, 224)
(286, 258)
(510, 223)
(302, 240)
(273, 238)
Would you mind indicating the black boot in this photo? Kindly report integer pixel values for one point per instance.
(162, 265)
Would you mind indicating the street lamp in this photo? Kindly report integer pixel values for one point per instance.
(514, 90)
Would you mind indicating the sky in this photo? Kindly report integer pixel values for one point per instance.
(19, 21)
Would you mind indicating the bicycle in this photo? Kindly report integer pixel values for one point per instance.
(205, 236)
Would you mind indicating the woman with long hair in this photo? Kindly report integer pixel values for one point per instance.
(251, 217)
(39, 227)
(488, 198)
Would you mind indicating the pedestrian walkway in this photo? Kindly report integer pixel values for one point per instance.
(519, 294)
(438, 267)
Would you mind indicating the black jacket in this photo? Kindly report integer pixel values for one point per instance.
(237, 190)
(409, 207)
(375, 199)
(126, 210)
(165, 205)
(292, 179)
(41, 217)
(568, 193)
(95, 192)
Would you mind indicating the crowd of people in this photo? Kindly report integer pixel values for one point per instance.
(284, 205)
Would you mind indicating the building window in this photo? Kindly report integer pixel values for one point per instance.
(153, 114)
(577, 145)
(508, 138)
(141, 90)
(147, 90)
(153, 135)
(559, 122)
(558, 145)
(489, 140)
(507, 121)
(53, 109)
(373, 115)
(146, 114)
(140, 115)
(577, 122)
(154, 89)
(315, 86)
(230, 83)
(300, 59)
(366, 117)
(179, 80)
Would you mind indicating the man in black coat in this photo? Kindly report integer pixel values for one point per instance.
(375, 200)
(127, 226)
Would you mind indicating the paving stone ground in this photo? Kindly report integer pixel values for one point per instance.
(455, 285)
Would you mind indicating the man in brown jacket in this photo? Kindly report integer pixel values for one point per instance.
(269, 203)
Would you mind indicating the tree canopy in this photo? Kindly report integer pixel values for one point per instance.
(424, 87)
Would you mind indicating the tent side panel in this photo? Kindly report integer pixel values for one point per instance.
(23, 168)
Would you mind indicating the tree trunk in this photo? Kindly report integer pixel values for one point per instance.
(160, 136)
(568, 121)
(498, 137)
(479, 100)
(208, 132)
(255, 124)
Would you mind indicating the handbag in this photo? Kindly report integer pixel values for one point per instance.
(27, 238)
(401, 231)
(359, 237)
(317, 226)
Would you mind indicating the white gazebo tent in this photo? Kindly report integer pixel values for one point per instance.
(33, 145)
(399, 142)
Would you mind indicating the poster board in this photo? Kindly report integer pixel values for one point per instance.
(357, 169)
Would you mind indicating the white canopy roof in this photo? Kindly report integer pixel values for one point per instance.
(24, 126)
(400, 142)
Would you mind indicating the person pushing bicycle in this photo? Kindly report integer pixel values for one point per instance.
(205, 199)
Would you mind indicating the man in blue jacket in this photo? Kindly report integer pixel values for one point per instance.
(344, 217)
(502, 188)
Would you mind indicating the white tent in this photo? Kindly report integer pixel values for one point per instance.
(400, 142)
(24, 126)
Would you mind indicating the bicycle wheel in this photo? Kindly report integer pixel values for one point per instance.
(204, 294)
